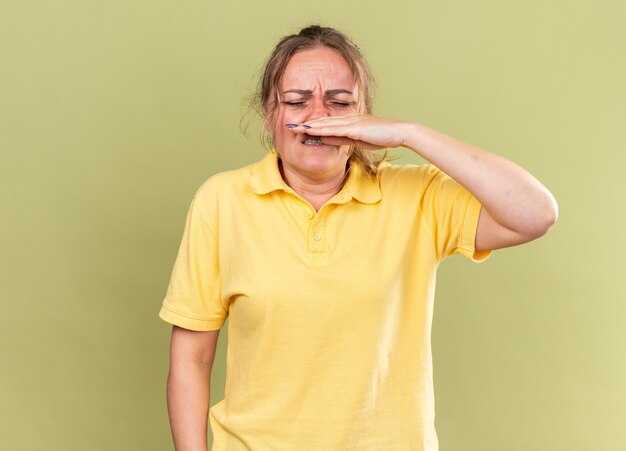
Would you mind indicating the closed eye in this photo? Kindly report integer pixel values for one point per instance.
(335, 103)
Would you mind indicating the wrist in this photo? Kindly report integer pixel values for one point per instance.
(410, 132)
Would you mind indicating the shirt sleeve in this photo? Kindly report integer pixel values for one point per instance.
(451, 213)
(193, 298)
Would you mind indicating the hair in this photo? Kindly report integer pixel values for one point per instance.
(265, 99)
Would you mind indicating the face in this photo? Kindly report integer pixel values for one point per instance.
(316, 83)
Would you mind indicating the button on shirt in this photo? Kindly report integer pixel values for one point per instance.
(330, 312)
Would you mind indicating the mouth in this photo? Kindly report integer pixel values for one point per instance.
(312, 140)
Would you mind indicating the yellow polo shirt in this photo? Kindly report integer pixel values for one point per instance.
(330, 311)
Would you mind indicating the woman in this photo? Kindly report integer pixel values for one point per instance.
(324, 258)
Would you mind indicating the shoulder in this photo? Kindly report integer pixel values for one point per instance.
(225, 183)
(222, 188)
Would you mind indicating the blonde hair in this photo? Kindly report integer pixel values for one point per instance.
(265, 100)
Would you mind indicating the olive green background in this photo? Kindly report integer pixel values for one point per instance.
(112, 113)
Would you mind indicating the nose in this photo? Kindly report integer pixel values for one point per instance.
(318, 108)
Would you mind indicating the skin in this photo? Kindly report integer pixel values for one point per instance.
(318, 91)
(188, 386)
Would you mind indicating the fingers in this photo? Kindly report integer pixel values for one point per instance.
(349, 119)
(337, 141)
(364, 131)
(326, 125)
(346, 130)
(340, 141)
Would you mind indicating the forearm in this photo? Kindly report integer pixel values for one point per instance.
(188, 395)
(511, 195)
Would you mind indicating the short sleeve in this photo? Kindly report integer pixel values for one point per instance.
(193, 298)
(452, 214)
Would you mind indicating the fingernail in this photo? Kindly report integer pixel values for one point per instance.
(306, 126)
(291, 125)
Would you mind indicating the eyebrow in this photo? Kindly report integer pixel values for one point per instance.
(308, 92)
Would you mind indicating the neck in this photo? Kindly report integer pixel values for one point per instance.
(317, 190)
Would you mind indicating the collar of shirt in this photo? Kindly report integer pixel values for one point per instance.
(360, 186)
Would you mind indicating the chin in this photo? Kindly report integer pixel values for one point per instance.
(321, 160)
